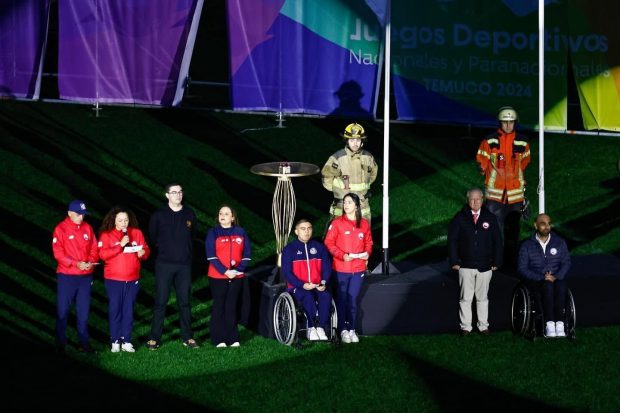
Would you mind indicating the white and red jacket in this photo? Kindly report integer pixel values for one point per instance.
(227, 248)
(73, 243)
(344, 238)
(119, 265)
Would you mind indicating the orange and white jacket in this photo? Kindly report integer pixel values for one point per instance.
(503, 158)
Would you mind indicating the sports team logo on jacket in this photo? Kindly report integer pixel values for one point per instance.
(189, 224)
(485, 225)
(553, 251)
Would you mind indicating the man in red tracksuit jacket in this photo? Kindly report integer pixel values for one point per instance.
(306, 266)
(74, 245)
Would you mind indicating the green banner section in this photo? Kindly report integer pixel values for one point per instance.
(328, 18)
(483, 54)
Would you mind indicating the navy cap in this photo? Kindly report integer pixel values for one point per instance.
(77, 206)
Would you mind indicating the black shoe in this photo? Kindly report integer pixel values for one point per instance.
(486, 332)
(85, 348)
(464, 333)
(152, 345)
(191, 343)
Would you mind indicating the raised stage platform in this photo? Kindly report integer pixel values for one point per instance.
(424, 299)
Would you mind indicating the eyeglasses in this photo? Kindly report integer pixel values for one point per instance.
(176, 193)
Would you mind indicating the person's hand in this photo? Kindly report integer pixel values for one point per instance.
(549, 277)
(124, 241)
(230, 274)
(347, 258)
(141, 253)
(493, 268)
(309, 286)
(456, 267)
(363, 256)
(321, 287)
(83, 265)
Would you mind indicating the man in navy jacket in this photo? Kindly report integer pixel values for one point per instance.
(475, 251)
(544, 261)
(306, 267)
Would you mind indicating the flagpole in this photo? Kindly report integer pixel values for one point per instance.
(541, 106)
(385, 262)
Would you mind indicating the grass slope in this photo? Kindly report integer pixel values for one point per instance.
(51, 153)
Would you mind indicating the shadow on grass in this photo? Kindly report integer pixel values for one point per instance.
(41, 379)
(456, 393)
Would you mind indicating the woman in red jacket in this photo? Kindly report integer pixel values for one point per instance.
(228, 252)
(122, 247)
(349, 241)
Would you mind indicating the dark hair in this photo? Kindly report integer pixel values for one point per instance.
(170, 185)
(302, 221)
(235, 220)
(108, 222)
(358, 209)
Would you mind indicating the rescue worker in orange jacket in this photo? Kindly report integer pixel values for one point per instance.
(503, 157)
(350, 170)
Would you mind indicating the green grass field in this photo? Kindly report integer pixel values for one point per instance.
(52, 153)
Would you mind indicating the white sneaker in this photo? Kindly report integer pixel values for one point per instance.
(559, 329)
(354, 338)
(345, 337)
(235, 344)
(550, 330)
(221, 345)
(312, 334)
(116, 347)
(128, 347)
(321, 333)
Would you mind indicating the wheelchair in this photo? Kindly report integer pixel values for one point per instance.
(289, 317)
(527, 313)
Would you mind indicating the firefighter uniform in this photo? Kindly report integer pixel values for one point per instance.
(347, 171)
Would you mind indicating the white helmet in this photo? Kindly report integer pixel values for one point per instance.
(507, 114)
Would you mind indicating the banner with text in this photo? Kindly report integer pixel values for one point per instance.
(304, 56)
(461, 61)
(23, 33)
(125, 51)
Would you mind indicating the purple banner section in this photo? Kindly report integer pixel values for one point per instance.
(119, 51)
(23, 33)
(279, 65)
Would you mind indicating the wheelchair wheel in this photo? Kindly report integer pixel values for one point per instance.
(285, 319)
(571, 315)
(333, 321)
(521, 310)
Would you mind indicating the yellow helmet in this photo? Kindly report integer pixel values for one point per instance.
(354, 131)
(507, 114)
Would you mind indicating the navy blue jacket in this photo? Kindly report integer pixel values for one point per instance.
(302, 263)
(476, 246)
(172, 232)
(534, 263)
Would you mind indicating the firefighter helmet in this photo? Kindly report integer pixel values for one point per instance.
(354, 131)
(507, 114)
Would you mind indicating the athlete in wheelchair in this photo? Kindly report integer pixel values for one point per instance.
(543, 263)
(306, 267)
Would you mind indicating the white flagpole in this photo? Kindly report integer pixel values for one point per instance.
(541, 106)
(385, 266)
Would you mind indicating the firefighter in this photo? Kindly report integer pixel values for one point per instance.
(350, 170)
(503, 157)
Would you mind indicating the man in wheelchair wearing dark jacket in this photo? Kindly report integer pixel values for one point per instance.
(544, 261)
